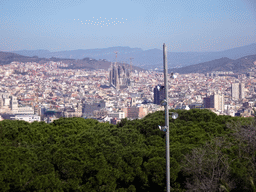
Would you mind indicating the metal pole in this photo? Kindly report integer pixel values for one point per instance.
(166, 120)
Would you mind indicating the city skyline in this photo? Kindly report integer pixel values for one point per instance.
(184, 26)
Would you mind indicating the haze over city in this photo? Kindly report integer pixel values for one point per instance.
(198, 26)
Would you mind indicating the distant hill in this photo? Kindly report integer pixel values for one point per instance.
(148, 59)
(224, 64)
(85, 63)
(7, 58)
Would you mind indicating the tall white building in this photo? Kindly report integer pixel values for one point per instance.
(237, 91)
(241, 90)
(217, 102)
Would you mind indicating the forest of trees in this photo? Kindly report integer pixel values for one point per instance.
(207, 153)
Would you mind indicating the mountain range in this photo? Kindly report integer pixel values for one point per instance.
(147, 59)
(85, 63)
(228, 63)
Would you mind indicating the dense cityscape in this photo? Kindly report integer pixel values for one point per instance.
(45, 92)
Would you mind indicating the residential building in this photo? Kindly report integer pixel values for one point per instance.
(237, 91)
(215, 102)
(27, 118)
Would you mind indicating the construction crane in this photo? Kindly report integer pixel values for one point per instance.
(131, 63)
(116, 52)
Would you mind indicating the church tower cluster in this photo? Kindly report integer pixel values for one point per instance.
(119, 76)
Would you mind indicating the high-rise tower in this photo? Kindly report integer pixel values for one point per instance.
(237, 91)
(215, 101)
(241, 90)
(159, 92)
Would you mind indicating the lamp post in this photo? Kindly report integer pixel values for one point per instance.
(174, 116)
(166, 120)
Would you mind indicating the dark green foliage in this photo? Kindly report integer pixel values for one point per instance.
(207, 153)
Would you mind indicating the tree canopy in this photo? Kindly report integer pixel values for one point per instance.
(207, 153)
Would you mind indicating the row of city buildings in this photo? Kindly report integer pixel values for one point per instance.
(45, 92)
(215, 101)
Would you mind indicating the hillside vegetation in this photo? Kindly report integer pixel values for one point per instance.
(207, 153)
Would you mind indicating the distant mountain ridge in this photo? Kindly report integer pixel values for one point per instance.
(85, 63)
(148, 59)
(240, 65)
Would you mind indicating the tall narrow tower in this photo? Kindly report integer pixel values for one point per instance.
(241, 90)
(111, 75)
(117, 83)
(116, 52)
(235, 91)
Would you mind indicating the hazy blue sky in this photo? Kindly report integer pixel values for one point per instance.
(184, 25)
